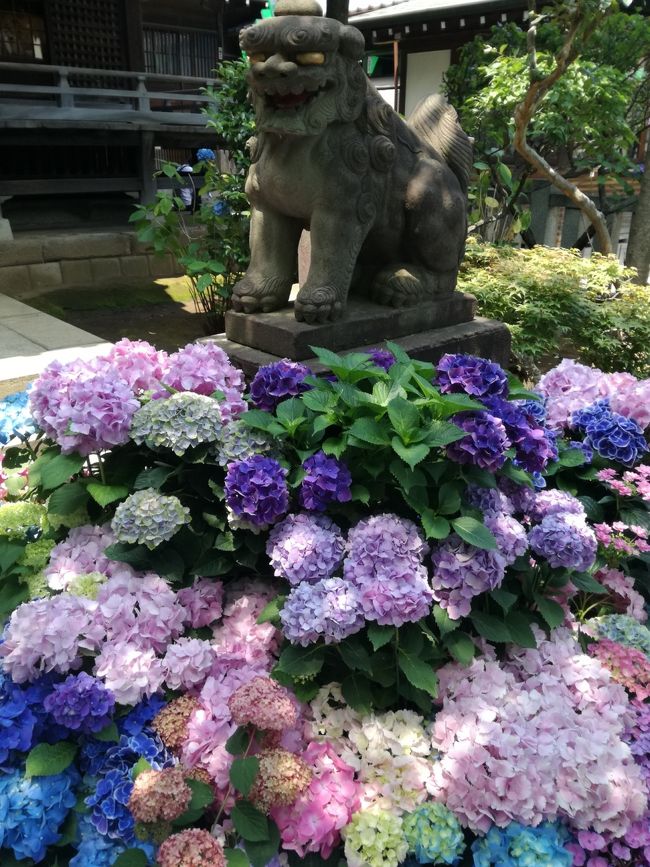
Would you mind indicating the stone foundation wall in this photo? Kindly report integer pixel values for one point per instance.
(39, 262)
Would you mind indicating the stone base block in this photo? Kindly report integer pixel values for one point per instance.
(483, 337)
(364, 324)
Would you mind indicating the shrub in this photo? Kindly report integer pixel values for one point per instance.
(550, 295)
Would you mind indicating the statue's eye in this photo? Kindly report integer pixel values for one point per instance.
(310, 58)
(257, 57)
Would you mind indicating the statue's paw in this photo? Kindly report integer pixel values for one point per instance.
(323, 304)
(260, 296)
(398, 288)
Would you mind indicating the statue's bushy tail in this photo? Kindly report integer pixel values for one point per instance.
(436, 123)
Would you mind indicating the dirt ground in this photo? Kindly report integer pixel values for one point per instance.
(161, 312)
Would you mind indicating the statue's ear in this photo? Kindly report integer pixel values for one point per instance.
(351, 43)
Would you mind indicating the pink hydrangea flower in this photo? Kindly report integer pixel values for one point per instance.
(626, 599)
(138, 363)
(188, 662)
(314, 822)
(570, 386)
(203, 602)
(630, 397)
(264, 704)
(205, 368)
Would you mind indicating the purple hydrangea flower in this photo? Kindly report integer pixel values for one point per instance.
(461, 572)
(565, 541)
(205, 368)
(616, 438)
(382, 358)
(384, 563)
(305, 547)
(256, 490)
(532, 447)
(553, 502)
(329, 609)
(491, 501)
(275, 382)
(512, 541)
(594, 412)
(81, 703)
(328, 480)
(484, 445)
(477, 377)
(521, 496)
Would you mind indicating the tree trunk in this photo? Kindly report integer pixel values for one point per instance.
(338, 9)
(638, 248)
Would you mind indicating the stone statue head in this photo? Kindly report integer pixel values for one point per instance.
(305, 72)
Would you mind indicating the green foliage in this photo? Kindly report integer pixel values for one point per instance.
(557, 303)
(212, 244)
(44, 760)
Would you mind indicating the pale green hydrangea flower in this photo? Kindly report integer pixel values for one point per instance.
(87, 585)
(20, 519)
(36, 554)
(177, 422)
(149, 518)
(375, 838)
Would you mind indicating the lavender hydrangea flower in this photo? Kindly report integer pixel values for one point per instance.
(81, 703)
(83, 406)
(521, 496)
(256, 490)
(177, 423)
(461, 572)
(275, 382)
(305, 547)
(149, 518)
(511, 537)
(238, 442)
(384, 563)
(484, 445)
(491, 501)
(205, 368)
(477, 377)
(616, 438)
(532, 447)
(382, 358)
(329, 609)
(554, 502)
(565, 541)
(327, 480)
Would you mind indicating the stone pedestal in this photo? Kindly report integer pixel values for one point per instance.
(426, 332)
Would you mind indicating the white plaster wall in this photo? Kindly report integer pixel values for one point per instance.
(424, 71)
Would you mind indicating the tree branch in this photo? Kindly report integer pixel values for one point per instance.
(579, 26)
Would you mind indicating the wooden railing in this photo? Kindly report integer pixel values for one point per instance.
(32, 91)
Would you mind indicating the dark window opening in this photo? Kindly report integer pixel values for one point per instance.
(22, 31)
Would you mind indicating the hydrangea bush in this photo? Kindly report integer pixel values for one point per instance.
(390, 615)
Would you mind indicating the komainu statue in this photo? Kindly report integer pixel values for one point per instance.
(384, 199)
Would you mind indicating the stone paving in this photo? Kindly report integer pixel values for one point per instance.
(30, 340)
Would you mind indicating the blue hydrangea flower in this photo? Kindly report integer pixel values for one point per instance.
(594, 412)
(221, 209)
(477, 377)
(32, 810)
(97, 850)
(100, 757)
(328, 609)
(15, 417)
(535, 409)
(256, 490)
(327, 480)
(109, 812)
(521, 846)
(205, 154)
(623, 629)
(81, 703)
(17, 722)
(276, 382)
(616, 438)
(137, 718)
(434, 834)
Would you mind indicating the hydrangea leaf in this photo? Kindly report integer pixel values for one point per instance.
(355, 655)
(461, 647)
(435, 526)
(518, 624)
(357, 691)
(44, 760)
(474, 533)
(379, 635)
(237, 742)
(263, 851)
(60, 469)
(585, 581)
(243, 773)
(551, 611)
(108, 734)
(271, 611)
(154, 478)
(370, 431)
(67, 499)
(249, 822)
(302, 661)
(105, 494)
(420, 674)
(411, 455)
(490, 627)
(131, 858)
(236, 858)
(141, 765)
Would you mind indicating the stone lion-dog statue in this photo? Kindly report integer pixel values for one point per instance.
(384, 199)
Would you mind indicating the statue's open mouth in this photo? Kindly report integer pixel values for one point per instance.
(295, 99)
